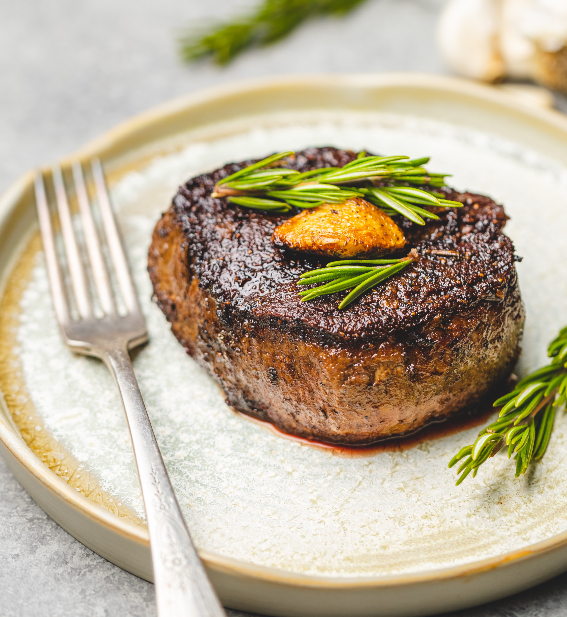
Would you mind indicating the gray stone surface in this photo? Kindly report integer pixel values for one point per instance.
(70, 70)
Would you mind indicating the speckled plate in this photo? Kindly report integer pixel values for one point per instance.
(284, 527)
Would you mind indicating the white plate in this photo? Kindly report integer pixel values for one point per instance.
(287, 528)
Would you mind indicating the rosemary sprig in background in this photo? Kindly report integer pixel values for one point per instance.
(264, 187)
(272, 21)
(526, 419)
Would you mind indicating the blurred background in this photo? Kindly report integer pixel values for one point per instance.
(70, 70)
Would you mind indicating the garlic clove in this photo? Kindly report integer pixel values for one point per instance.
(534, 40)
(467, 35)
(517, 47)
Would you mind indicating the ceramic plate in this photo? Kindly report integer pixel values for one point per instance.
(285, 527)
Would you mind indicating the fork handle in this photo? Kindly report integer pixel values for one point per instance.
(181, 583)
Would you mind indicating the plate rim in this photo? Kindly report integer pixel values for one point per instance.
(109, 142)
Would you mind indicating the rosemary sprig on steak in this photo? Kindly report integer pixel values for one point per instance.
(270, 22)
(526, 419)
(359, 275)
(381, 180)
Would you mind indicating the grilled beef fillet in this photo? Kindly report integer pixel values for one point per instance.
(427, 344)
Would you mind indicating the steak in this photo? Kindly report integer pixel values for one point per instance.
(425, 345)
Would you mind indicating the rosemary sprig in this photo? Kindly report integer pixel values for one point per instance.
(271, 21)
(526, 419)
(358, 275)
(265, 187)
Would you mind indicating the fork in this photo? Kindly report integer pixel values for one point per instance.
(181, 583)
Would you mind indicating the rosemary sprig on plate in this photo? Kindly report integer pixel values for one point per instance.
(271, 21)
(265, 187)
(526, 419)
(358, 275)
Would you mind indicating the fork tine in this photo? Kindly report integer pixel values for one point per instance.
(93, 243)
(53, 271)
(114, 241)
(74, 261)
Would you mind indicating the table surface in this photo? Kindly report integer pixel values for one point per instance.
(70, 70)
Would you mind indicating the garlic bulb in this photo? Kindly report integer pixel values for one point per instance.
(492, 39)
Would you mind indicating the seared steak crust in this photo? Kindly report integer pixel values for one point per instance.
(428, 343)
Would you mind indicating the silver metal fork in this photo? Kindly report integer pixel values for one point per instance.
(181, 583)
